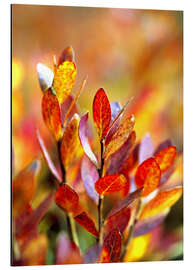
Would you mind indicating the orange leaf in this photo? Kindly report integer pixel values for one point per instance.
(111, 250)
(70, 144)
(165, 157)
(64, 80)
(101, 112)
(85, 221)
(148, 176)
(163, 200)
(66, 55)
(67, 198)
(120, 136)
(51, 113)
(110, 184)
(23, 188)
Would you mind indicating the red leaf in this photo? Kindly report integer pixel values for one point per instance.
(101, 112)
(51, 113)
(110, 184)
(67, 252)
(165, 157)
(89, 176)
(148, 176)
(23, 188)
(146, 148)
(84, 139)
(67, 198)
(47, 157)
(112, 246)
(118, 221)
(85, 221)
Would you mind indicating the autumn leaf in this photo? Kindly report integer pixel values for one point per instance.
(148, 176)
(85, 221)
(45, 76)
(101, 112)
(146, 148)
(110, 184)
(67, 198)
(23, 187)
(66, 55)
(161, 146)
(64, 80)
(70, 144)
(89, 176)
(111, 250)
(119, 220)
(120, 136)
(51, 113)
(67, 252)
(46, 155)
(84, 139)
(165, 157)
(163, 200)
(66, 105)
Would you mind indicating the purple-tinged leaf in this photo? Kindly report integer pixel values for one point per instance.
(117, 159)
(67, 252)
(146, 148)
(84, 139)
(163, 145)
(146, 225)
(92, 255)
(47, 158)
(89, 176)
(125, 202)
(45, 76)
(65, 107)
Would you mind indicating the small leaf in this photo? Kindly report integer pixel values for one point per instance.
(110, 184)
(51, 114)
(66, 55)
(67, 252)
(45, 76)
(64, 80)
(65, 106)
(101, 112)
(23, 188)
(84, 139)
(89, 176)
(146, 148)
(70, 144)
(120, 136)
(128, 200)
(67, 198)
(165, 157)
(163, 200)
(46, 155)
(119, 220)
(148, 176)
(112, 247)
(85, 221)
(116, 160)
(146, 225)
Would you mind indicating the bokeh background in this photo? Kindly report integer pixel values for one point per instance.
(130, 53)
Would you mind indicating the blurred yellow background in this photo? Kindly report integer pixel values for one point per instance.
(130, 53)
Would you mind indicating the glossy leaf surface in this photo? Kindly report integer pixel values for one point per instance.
(165, 157)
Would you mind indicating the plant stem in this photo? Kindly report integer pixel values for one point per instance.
(100, 202)
(131, 229)
(70, 220)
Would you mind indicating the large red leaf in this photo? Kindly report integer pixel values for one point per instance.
(119, 220)
(165, 157)
(84, 139)
(67, 198)
(110, 184)
(23, 188)
(51, 113)
(89, 176)
(101, 112)
(47, 158)
(148, 176)
(111, 250)
(85, 221)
